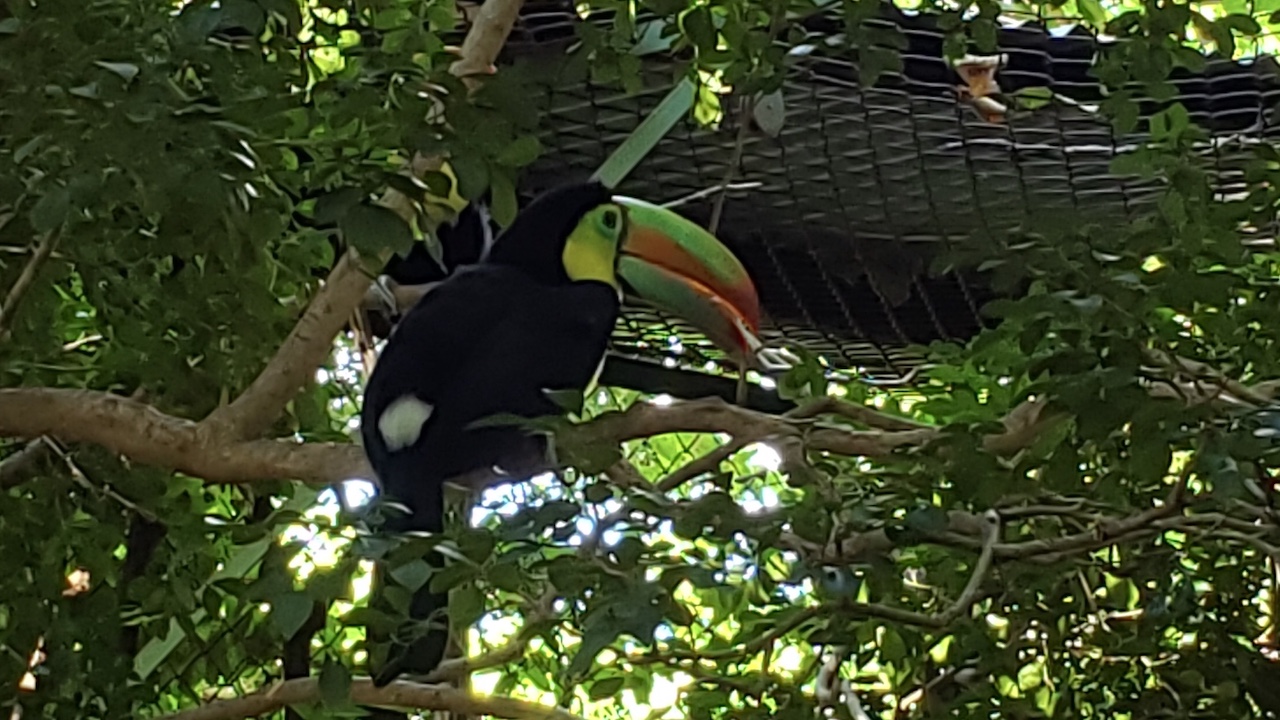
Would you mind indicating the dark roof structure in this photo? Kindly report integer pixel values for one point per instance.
(862, 187)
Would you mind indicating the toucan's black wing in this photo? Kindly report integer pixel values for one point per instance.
(421, 363)
(489, 340)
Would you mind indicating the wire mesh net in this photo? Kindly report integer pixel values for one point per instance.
(848, 205)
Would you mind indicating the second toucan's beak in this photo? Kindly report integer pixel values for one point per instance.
(684, 270)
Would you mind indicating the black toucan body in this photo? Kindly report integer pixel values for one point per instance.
(534, 315)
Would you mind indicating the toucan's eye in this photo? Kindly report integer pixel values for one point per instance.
(611, 220)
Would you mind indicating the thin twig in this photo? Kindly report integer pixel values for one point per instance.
(705, 192)
(991, 533)
(17, 467)
(79, 476)
(25, 280)
(744, 128)
(709, 462)
(744, 650)
(624, 473)
(858, 413)
(1198, 370)
(591, 543)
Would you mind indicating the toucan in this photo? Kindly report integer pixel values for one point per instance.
(502, 335)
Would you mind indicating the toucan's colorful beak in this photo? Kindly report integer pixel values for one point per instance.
(682, 269)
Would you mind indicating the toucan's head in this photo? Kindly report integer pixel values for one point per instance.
(582, 232)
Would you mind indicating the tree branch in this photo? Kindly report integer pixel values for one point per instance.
(401, 694)
(25, 280)
(703, 464)
(1221, 384)
(311, 339)
(990, 535)
(15, 468)
(860, 414)
(147, 436)
(294, 364)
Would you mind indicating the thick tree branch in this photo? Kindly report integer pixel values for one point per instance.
(294, 364)
(146, 435)
(401, 694)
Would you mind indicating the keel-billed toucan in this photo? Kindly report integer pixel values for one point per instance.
(534, 315)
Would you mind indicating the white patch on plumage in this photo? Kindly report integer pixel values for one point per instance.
(402, 422)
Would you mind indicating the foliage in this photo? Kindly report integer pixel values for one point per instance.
(192, 163)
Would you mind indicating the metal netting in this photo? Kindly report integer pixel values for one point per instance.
(863, 187)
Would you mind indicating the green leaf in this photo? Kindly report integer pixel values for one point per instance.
(477, 545)
(1034, 98)
(407, 185)
(697, 26)
(502, 201)
(126, 71)
(51, 210)
(985, 34)
(770, 113)
(1093, 12)
(606, 688)
(452, 576)
(591, 459)
(438, 183)
(601, 630)
(1134, 163)
(289, 611)
(330, 207)
(598, 492)
(335, 683)
(412, 574)
(466, 605)
(570, 400)
(473, 175)
(522, 151)
(1242, 23)
(10, 26)
(374, 230)
(874, 62)
(27, 148)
